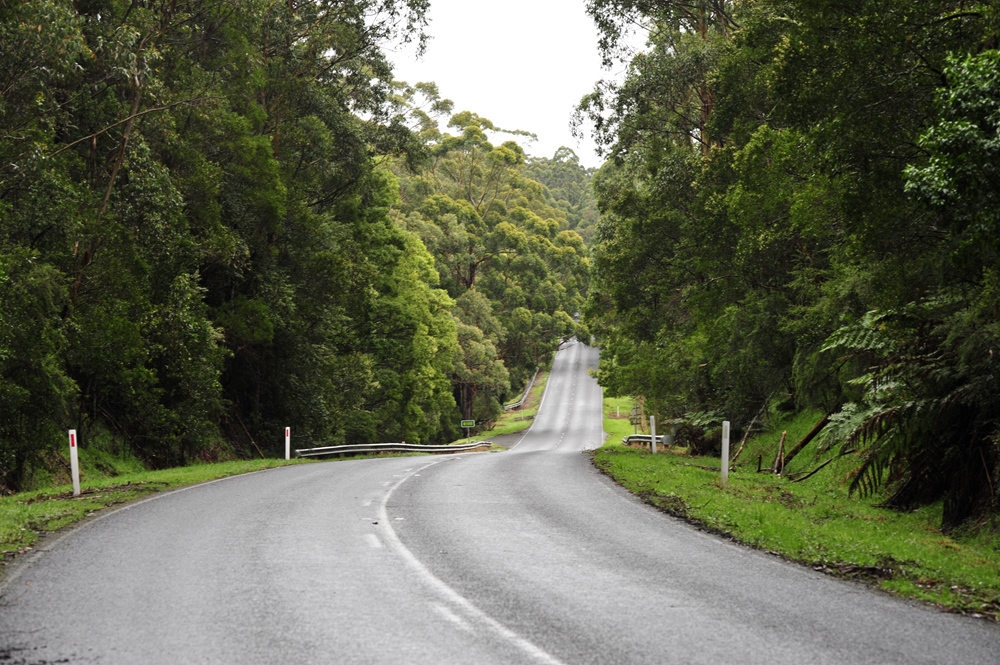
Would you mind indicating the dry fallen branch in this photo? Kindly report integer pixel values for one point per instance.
(131, 118)
(88, 493)
(797, 480)
(746, 434)
(808, 437)
(779, 464)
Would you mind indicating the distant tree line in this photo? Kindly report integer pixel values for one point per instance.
(505, 243)
(802, 209)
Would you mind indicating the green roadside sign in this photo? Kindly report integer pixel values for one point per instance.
(468, 423)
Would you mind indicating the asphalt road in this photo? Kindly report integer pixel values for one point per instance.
(524, 556)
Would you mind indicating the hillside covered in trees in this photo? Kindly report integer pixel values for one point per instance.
(802, 208)
(221, 218)
(503, 250)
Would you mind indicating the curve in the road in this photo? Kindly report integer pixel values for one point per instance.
(524, 556)
(473, 615)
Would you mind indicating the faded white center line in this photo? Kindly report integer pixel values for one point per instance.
(451, 617)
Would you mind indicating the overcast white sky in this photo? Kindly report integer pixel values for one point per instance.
(524, 64)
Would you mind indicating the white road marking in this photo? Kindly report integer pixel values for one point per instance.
(466, 606)
(451, 617)
(373, 541)
(367, 502)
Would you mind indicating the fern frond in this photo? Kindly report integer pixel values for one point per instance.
(843, 423)
(862, 381)
(886, 434)
(868, 477)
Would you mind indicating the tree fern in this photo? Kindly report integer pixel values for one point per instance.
(925, 427)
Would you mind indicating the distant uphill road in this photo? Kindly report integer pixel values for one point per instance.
(524, 556)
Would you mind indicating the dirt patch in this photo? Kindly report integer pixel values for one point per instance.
(145, 486)
(870, 574)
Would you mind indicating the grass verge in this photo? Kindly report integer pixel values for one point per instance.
(111, 480)
(25, 516)
(517, 420)
(813, 522)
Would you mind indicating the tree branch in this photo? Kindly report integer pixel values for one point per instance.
(131, 118)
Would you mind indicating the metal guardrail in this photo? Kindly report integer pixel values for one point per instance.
(391, 447)
(524, 396)
(645, 439)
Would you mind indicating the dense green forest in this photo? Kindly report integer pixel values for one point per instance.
(505, 248)
(221, 218)
(801, 208)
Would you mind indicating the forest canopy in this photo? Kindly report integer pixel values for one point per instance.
(218, 219)
(800, 210)
(221, 218)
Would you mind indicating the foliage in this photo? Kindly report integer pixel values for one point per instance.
(814, 522)
(202, 237)
(32, 379)
(195, 237)
(503, 249)
(801, 206)
(568, 187)
(961, 176)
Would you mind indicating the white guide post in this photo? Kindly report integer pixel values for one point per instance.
(74, 463)
(725, 452)
(652, 430)
(288, 443)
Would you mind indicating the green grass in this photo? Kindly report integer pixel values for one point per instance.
(24, 516)
(815, 522)
(109, 480)
(616, 421)
(517, 420)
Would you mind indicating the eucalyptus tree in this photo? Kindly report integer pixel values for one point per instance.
(652, 249)
(569, 187)
(503, 250)
(667, 92)
(195, 184)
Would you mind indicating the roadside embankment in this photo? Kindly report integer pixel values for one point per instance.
(813, 521)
